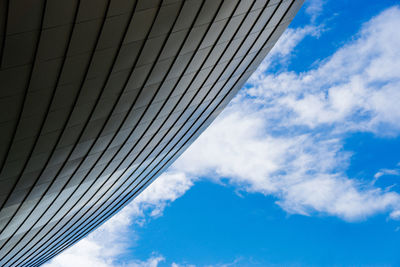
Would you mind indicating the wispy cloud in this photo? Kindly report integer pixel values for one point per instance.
(383, 172)
(282, 52)
(314, 8)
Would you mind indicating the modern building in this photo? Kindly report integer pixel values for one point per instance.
(98, 97)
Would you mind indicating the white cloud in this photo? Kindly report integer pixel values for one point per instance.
(395, 215)
(356, 89)
(151, 262)
(314, 8)
(383, 172)
(304, 171)
(281, 53)
(104, 246)
(174, 264)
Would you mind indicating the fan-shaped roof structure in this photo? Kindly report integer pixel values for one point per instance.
(98, 97)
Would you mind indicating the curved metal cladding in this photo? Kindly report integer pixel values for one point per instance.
(98, 97)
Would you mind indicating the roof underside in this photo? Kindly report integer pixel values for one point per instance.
(98, 97)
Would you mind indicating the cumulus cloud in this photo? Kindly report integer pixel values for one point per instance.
(356, 89)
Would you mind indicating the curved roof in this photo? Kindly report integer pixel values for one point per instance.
(98, 97)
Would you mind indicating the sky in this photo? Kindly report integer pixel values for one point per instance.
(301, 169)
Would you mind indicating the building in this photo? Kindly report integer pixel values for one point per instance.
(98, 97)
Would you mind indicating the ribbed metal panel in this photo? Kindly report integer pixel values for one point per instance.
(98, 97)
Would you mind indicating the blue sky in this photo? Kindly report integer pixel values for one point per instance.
(301, 169)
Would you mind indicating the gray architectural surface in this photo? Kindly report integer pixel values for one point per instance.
(98, 97)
